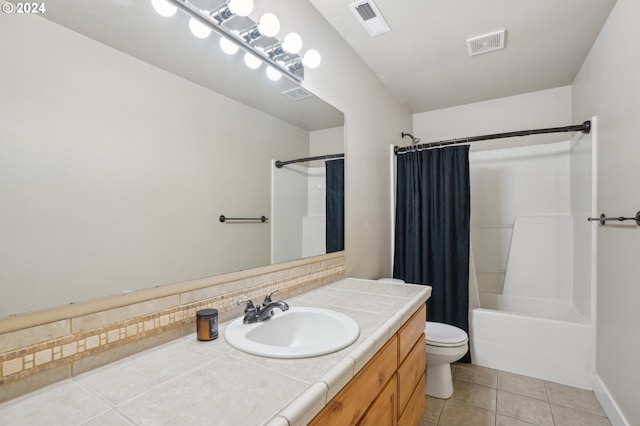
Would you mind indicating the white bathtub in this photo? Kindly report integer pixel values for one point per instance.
(545, 339)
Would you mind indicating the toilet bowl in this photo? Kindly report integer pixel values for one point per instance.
(444, 344)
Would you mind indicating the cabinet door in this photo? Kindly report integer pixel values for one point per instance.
(410, 332)
(350, 404)
(410, 373)
(413, 412)
(384, 410)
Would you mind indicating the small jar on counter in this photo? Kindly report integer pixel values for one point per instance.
(207, 324)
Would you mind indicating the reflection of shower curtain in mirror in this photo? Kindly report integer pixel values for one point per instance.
(432, 229)
(335, 205)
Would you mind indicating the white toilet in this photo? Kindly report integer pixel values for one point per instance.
(444, 344)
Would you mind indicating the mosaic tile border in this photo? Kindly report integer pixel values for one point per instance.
(36, 358)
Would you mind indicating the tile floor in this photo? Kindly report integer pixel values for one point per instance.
(484, 397)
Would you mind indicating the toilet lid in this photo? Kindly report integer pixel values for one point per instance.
(440, 334)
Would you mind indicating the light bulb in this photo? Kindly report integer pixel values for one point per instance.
(251, 61)
(199, 29)
(273, 74)
(228, 47)
(292, 43)
(312, 59)
(269, 25)
(241, 7)
(164, 8)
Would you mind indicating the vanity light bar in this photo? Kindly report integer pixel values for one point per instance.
(292, 69)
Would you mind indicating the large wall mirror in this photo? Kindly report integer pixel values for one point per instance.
(125, 138)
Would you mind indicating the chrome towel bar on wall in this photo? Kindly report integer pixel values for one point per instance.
(603, 219)
(262, 219)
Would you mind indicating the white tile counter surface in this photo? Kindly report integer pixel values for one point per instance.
(187, 382)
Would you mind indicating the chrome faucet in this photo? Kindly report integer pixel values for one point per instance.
(253, 314)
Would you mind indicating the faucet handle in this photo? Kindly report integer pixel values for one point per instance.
(249, 307)
(267, 298)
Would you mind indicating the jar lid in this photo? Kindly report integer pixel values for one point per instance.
(206, 313)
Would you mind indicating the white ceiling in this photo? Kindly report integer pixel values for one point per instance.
(424, 61)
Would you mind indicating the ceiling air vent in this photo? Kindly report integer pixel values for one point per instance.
(370, 17)
(297, 94)
(486, 43)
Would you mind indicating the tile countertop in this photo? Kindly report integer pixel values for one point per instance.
(187, 382)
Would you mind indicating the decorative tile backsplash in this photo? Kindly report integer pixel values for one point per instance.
(25, 354)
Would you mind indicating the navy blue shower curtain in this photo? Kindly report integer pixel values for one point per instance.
(335, 206)
(432, 229)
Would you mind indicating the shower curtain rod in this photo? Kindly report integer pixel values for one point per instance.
(279, 163)
(584, 128)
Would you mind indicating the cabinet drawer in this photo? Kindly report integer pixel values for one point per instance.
(410, 332)
(350, 403)
(413, 412)
(410, 373)
(384, 410)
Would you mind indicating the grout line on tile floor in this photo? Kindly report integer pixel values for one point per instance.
(553, 419)
(548, 402)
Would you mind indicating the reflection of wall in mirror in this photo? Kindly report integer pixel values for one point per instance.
(113, 172)
(326, 141)
(299, 201)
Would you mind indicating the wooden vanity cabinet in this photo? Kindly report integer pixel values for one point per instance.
(352, 402)
(384, 409)
(389, 390)
(411, 369)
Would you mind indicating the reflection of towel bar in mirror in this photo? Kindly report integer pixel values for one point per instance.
(262, 219)
(602, 219)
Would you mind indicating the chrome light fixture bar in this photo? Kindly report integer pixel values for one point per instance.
(288, 64)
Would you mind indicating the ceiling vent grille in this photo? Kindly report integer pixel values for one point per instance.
(486, 43)
(370, 17)
(297, 94)
(366, 11)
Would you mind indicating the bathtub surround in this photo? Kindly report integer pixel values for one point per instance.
(506, 334)
(532, 246)
(32, 357)
(512, 183)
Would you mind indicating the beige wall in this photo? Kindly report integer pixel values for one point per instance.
(373, 121)
(326, 141)
(546, 108)
(608, 85)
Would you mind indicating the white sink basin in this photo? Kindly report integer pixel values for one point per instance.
(296, 333)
